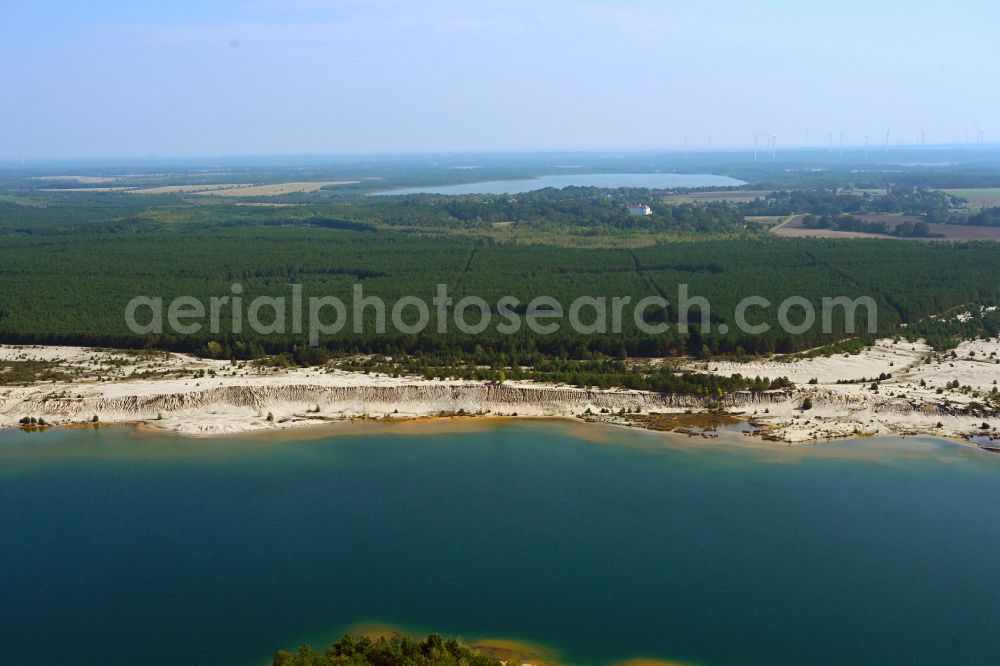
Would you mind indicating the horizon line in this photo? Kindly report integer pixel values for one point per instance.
(7, 161)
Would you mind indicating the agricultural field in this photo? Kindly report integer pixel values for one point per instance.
(789, 231)
(735, 196)
(769, 221)
(213, 189)
(185, 189)
(274, 189)
(82, 179)
(940, 232)
(978, 198)
(86, 189)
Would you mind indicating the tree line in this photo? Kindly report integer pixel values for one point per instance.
(396, 650)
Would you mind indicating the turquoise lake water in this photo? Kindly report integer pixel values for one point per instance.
(122, 547)
(652, 180)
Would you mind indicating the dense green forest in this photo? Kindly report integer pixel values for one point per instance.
(394, 651)
(947, 331)
(600, 373)
(70, 262)
(73, 288)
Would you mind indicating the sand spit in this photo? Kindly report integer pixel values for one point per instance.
(204, 397)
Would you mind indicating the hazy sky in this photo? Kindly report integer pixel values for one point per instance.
(128, 78)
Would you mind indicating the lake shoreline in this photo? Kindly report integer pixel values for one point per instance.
(205, 398)
(664, 180)
(415, 527)
(588, 430)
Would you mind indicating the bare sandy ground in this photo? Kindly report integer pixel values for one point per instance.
(915, 400)
(197, 396)
(206, 397)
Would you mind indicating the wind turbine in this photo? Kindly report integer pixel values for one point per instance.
(841, 145)
(887, 142)
(923, 139)
(829, 142)
(755, 138)
(866, 146)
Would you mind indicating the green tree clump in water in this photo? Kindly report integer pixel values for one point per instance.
(386, 652)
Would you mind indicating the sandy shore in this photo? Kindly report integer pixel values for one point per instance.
(204, 397)
(916, 399)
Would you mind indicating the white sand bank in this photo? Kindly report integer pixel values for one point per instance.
(198, 396)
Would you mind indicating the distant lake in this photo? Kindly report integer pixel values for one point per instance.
(122, 547)
(611, 180)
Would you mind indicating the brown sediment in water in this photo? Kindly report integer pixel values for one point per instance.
(85, 425)
(404, 426)
(377, 630)
(592, 431)
(685, 423)
(524, 652)
(688, 431)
